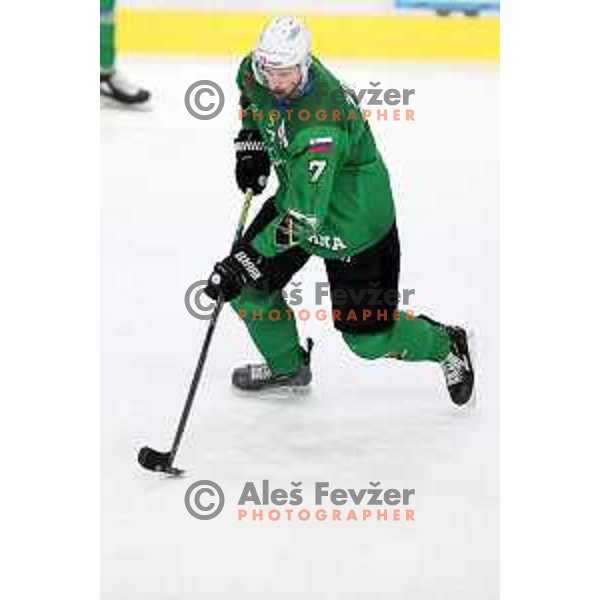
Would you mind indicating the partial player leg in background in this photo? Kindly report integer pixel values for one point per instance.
(112, 84)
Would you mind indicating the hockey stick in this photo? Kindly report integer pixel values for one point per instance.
(163, 461)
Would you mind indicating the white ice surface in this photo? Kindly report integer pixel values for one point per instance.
(169, 205)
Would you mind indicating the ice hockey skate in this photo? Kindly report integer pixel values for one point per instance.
(457, 366)
(115, 87)
(254, 378)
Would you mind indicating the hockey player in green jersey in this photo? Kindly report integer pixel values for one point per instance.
(334, 200)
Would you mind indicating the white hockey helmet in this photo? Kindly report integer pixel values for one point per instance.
(284, 42)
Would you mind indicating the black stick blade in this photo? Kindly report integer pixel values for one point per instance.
(153, 460)
(159, 462)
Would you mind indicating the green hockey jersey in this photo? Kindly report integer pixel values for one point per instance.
(334, 197)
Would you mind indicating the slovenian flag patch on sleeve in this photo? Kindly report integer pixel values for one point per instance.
(321, 144)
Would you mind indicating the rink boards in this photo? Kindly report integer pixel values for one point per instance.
(363, 37)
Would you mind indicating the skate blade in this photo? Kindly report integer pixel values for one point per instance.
(281, 393)
(106, 102)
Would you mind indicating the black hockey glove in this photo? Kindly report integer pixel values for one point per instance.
(252, 161)
(243, 267)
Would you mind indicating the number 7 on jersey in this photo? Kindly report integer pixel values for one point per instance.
(316, 168)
